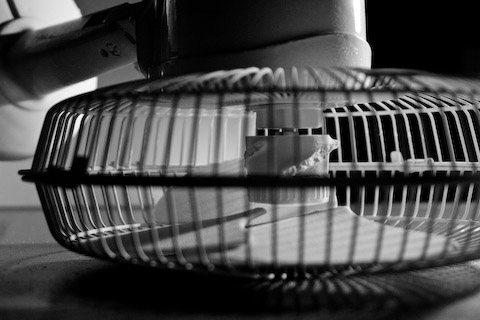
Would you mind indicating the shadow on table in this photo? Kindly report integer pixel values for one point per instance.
(175, 292)
(49, 282)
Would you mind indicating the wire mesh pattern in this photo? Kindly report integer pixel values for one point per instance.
(261, 172)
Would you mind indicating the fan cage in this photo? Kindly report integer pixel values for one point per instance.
(408, 153)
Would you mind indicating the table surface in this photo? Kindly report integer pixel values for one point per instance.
(41, 280)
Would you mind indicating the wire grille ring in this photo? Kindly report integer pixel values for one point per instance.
(176, 173)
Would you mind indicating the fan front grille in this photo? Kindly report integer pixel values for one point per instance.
(116, 170)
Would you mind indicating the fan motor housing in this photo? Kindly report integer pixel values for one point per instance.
(184, 36)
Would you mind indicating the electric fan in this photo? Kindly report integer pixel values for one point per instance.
(269, 172)
(259, 171)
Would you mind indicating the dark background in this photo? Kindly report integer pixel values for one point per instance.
(440, 36)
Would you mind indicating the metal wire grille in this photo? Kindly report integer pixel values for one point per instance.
(155, 172)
